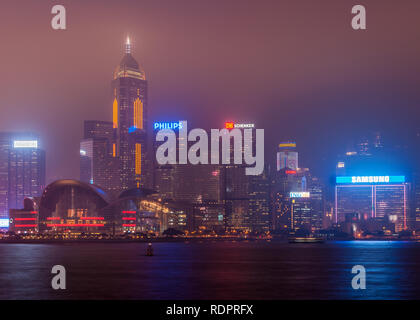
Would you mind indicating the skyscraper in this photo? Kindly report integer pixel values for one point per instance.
(97, 164)
(129, 95)
(22, 170)
(287, 157)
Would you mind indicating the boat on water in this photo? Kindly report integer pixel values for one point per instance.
(306, 240)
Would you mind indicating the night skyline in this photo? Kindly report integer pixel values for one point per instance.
(209, 158)
(213, 63)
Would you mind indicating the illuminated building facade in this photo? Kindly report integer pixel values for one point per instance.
(373, 197)
(24, 221)
(284, 182)
(416, 201)
(97, 164)
(300, 211)
(129, 104)
(22, 170)
(165, 177)
(287, 156)
(209, 215)
(247, 197)
(75, 207)
(259, 211)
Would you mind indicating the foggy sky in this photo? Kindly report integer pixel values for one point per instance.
(295, 68)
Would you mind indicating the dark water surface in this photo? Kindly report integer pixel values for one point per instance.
(211, 270)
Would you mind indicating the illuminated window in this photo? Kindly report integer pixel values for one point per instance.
(115, 113)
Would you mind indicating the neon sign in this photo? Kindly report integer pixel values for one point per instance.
(4, 223)
(369, 179)
(231, 125)
(300, 194)
(287, 145)
(167, 125)
(25, 144)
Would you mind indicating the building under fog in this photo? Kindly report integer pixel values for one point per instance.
(371, 197)
(70, 206)
(22, 170)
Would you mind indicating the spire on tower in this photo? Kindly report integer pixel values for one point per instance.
(128, 46)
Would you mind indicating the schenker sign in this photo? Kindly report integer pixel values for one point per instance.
(369, 179)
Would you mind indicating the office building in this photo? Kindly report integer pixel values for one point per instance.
(97, 164)
(373, 197)
(129, 95)
(287, 156)
(22, 170)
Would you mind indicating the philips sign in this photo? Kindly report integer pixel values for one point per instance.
(167, 125)
(369, 179)
(300, 194)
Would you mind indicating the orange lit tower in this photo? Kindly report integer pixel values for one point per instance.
(129, 103)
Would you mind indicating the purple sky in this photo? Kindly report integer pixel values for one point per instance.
(295, 68)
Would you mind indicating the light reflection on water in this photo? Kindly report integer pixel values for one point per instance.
(211, 270)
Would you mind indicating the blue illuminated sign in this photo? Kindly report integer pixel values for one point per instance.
(299, 194)
(4, 223)
(167, 125)
(369, 179)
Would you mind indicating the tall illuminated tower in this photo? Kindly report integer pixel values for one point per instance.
(129, 102)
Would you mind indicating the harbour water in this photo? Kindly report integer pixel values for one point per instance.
(211, 270)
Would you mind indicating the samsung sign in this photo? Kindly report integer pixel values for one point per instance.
(370, 179)
(300, 194)
(25, 144)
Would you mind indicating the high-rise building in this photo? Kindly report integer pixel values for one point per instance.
(373, 197)
(259, 211)
(129, 95)
(300, 211)
(22, 170)
(247, 197)
(287, 156)
(284, 182)
(97, 164)
(95, 129)
(317, 191)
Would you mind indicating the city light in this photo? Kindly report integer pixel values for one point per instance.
(4, 223)
(300, 194)
(30, 144)
(369, 179)
(287, 145)
(232, 125)
(168, 125)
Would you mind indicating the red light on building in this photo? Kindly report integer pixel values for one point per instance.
(76, 225)
(229, 125)
(129, 225)
(25, 225)
(23, 219)
(129, 218)
(129, 212)
(290, 171)
(53, 218)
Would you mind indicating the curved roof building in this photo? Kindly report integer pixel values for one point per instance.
(76, 207)
(72, 205)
